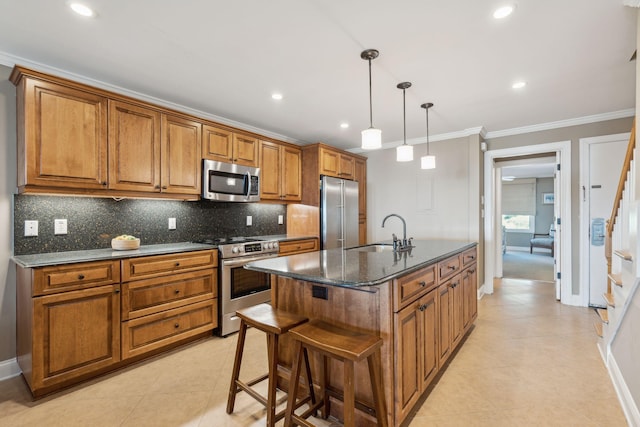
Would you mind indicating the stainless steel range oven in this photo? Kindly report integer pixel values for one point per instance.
(238, 287)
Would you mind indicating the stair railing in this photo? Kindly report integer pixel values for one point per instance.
(626, 166)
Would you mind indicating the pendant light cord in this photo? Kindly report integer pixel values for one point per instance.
(427, 131)
(370, 98)
(404, 115)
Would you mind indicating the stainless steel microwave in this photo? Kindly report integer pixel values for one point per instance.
(228, 182)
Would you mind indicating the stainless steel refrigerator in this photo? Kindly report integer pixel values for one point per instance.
(338, 213)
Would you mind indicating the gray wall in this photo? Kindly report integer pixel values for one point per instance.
(7, 186)
(573, 134)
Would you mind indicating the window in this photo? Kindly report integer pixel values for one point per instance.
(519, 223)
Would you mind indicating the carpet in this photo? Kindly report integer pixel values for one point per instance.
(523, 265)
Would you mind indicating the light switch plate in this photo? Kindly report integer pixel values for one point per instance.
(60, 226)
(249, 220)
(30, 228)
(280, 219)
(172, 223)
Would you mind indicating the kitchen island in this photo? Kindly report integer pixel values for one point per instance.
(421, 302)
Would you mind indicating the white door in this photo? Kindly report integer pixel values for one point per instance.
(605, 164)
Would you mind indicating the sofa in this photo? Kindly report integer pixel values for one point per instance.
(544, 241)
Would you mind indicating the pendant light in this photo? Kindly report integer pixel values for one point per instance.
(404, 152)
(428, 161)
(372, 137)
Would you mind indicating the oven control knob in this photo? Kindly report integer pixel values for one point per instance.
(269, 245)
(275, 245)
(235, 250)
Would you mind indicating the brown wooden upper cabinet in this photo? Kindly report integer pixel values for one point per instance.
(280, 172)
(225, 145)
(77, 139)
(62, 135)
(335, 163)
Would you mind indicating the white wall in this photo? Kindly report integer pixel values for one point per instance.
(7, 187)
(438, 203)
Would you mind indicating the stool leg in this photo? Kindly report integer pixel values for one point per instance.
(324, 381)
(272, 346)
(293, 383)
(309, 380)
(349, 395)
(233, 388)
(378, 391)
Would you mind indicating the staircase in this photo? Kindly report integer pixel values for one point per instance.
(617, 325)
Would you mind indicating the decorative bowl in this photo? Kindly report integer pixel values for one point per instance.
(125, 244)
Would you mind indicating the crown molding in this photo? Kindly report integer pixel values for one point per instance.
(630, 112)
(11, 60)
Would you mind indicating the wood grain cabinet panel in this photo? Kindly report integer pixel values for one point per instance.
(181, 155)
(408, 287)
(143, 297)
(224, 145)
(280, 172)
(449, 267)
(71, 277)
(160, 265)
(470, 296)
(62, 135)
(148, 333)
(134, 147)
(292, 247)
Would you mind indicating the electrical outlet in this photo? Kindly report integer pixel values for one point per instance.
(249, 220)
(172, 223)
(280, 219)
(30, 228)
(60, 226)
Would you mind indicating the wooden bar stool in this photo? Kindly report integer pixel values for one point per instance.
(273, 323)
(346, 346)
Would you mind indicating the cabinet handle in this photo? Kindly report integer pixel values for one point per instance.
(104, 183)
(80, 276)
(177, 291)
(164, 187)
(422, 284)
(177, 264)
(451, 267)
(472, 271)
(177, 325)
(157, 187)
(117, 291)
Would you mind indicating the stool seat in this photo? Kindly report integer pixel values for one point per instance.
(273, 323)
(344, 345)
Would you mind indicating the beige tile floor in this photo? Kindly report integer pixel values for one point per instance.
(529, 361)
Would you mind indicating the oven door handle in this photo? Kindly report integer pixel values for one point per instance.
(245, 260)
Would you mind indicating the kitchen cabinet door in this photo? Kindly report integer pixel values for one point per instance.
(337, 164)
(134, 147)
(245, 150)
(74, 333)
(280, 172)
(181, 155)
(470, 296)
(445, 310)
(224, 145)
(457, 311)
(62, 135)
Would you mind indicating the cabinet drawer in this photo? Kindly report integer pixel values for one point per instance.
(449, 267)
(143, 297)
(298, 246)
(71, 277)
(160, 265)
(151, 332)
(409, 287)
(469, 257)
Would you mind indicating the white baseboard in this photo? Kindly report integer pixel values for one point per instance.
(9, 368)
(624, 395)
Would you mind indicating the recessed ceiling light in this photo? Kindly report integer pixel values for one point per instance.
(503, 12)
(519, 85)
(276, 96)
(82, 9)
(344, 125)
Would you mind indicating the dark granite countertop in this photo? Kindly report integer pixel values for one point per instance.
(283, 237)
(353, 267)
(57, 258)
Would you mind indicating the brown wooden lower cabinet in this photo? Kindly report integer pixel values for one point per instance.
(420, 316)
(73, 321)
(292, 247)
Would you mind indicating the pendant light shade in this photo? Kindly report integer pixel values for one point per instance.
(428, 161)
(404, 152)
(372, 137)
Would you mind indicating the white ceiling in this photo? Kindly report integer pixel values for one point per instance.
(225, 58)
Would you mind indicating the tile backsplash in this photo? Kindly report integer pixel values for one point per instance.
(93, 222)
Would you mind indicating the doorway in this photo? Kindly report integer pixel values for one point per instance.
(527, 212)
(493, 224)
(601, 160)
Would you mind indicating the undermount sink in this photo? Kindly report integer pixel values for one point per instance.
(377, 247)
